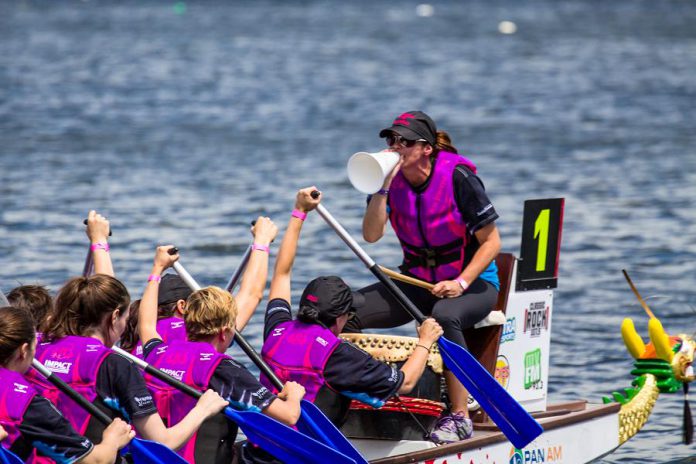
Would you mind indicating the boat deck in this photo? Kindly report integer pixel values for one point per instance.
(486, 434)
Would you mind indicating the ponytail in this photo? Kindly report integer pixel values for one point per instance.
(16, 329)
(129, 339)
(444, 142)
(308, 315)
(83, 303)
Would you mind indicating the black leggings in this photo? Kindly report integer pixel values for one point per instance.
(382, 311)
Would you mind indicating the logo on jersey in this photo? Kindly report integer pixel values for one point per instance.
(58, 366)
(20, 388)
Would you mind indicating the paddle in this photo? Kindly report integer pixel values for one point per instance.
(143, 451)
(240, 269)
(6, 456)
(512, 419)
(278, 439)
(312, 421)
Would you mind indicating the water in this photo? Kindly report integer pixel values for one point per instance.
(184, 121)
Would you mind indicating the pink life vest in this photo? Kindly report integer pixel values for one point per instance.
(190, 362)
(299, 352)
(429, 226)
(76, 360)
(16, 394)
(169, 328)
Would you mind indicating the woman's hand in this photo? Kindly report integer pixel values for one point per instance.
(292, 391)
(210, 403)
(429, 332)
(119, 432)
(390, 177)
(163, 259)
(447, 289)
(264, 230)
(97, 228)
(304, 201)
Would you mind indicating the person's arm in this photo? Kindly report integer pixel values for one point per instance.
(98, 233)
(280, 284)
(151, 426)
(147, 316)
(489, 247)
(286, 407)
(117, 435)
(254, 280)
(375, 219)
(428, 333)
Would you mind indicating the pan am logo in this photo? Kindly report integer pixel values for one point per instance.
(502, 371)
(536, 455)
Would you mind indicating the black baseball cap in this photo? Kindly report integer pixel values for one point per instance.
(413, 125)
(331, 297)
(172, 288)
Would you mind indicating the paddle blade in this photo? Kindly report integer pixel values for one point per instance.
(513, 420)
(150, 452)
(8, 457)
(286, 444)
(315, 424)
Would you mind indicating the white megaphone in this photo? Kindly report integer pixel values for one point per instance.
(367, 171)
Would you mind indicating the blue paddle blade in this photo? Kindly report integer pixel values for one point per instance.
(8, 457)
(315, 424)
(150, 452)
(283, 442)
(511, 418)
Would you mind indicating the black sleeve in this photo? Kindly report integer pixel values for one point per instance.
(151, 345)
(122, 387)
(474, 205)
(51, 434)
(356, 374)
(237, 385)
(277, 311)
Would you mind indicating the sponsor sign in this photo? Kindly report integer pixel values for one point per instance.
(532, 370)
(536, 318)
(509, 330)
(536, 455)
(502, 371)
(59, 367)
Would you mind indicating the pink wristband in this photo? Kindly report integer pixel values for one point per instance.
(462, 282)
(299, 214)
(100, 246)
(265, 248)
(154, 277)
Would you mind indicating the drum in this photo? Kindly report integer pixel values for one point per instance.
(408, 416)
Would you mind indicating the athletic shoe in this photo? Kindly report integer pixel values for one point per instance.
(452, 428)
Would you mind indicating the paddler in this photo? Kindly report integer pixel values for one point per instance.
(445, 222)
(210, 318)
(88, 317)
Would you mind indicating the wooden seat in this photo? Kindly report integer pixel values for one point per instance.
(483, 343)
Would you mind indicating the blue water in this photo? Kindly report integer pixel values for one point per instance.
(183, 121)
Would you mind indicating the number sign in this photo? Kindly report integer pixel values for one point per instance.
(541, 244)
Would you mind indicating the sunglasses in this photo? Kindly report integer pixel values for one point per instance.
(399, 140)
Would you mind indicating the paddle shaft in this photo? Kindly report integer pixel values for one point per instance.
(240, 269)
(404, 278)
(75, 396)
(635, 292)
(238, 338)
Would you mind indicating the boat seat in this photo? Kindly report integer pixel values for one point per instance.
(483, 340)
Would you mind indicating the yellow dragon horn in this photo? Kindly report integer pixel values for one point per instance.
(660, 340)
(631, 339)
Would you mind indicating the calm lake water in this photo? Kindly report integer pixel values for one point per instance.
(183, 121)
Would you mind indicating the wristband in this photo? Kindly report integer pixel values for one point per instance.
(256, 246)
(100, 246)
(154, 278)
(422, 346)
(462, 282)
(383, 191)
(299, 214)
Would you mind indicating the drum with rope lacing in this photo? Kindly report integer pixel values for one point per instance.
(405, 417)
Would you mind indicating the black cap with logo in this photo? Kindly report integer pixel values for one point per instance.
(413, 125)
(329, 297)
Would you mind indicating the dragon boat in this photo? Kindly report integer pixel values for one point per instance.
(513, 343)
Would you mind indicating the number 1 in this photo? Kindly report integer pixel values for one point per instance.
(541, 231)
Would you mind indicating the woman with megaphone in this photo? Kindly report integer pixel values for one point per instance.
(445, 222)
